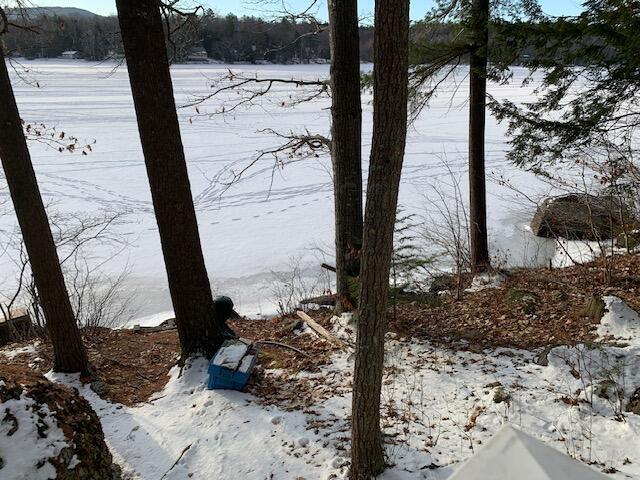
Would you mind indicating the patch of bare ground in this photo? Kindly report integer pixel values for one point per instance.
(134, 365)
(533, 308)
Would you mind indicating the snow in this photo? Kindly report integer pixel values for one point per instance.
(11, 354)
(483, 281)
(440, 405)
(24, 452)
(514, 454)
(344, 326)
(255, 227)
(619, 321)
(576, 252)
(230, 355)
(226, 436)
(246, 363)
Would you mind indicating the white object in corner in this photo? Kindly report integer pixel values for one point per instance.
(513, 455)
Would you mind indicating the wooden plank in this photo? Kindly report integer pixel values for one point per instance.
(319, 329)
(331, 268)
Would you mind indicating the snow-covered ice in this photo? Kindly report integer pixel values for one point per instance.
(255, 226)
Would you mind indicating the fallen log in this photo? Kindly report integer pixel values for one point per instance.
(323, 300)
(169, 324)
(319, 329)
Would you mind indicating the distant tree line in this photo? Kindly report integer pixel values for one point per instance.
(225, 38)
(95, 38)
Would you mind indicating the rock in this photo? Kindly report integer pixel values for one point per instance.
(440, 283)
(86, 455)
(18, 326)
(100, 388)
(527, 300)
(542, 358)
(580, 217)
(595, 309)
(633, 405)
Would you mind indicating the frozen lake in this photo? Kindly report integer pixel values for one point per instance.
(256, 226)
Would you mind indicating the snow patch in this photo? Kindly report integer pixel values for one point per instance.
(24, 451)
(10, 354)
(486, 280)
(344, 326)
(574, 252)
(230, 355)
(619, 321)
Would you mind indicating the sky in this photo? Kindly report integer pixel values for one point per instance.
(250, 7)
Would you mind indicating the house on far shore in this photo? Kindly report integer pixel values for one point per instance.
(70, 55)
(198, 55)
(14, 325)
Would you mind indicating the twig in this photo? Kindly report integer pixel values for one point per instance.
(176, 462)
(283, 345)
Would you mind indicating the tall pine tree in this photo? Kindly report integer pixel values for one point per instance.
(346, 134)
(68, 350)
(390, 94)
(143, 37)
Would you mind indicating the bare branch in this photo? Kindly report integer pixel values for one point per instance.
(251, 88)
(294, 148)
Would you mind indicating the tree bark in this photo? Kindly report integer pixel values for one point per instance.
(346, 139)
(390, 77)
(69, 353)
(144, 46)
(480, 260)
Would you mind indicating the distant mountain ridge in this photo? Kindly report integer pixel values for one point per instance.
(73, 12)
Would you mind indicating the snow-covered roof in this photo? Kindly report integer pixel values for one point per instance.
(512, 454)
(69, 52)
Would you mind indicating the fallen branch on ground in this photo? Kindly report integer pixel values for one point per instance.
(283, 345)
(324, 300)
(319, 329)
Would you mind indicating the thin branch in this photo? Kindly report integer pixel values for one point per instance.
(248, 96)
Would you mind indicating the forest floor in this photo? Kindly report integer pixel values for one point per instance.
(524, 352)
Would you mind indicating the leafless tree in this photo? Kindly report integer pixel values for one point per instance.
(99, 300)
(446, 226)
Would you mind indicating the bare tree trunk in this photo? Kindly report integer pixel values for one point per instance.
(346, 139)
(69, 352)
(480, 260)
(144, 45)
(390, 77)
